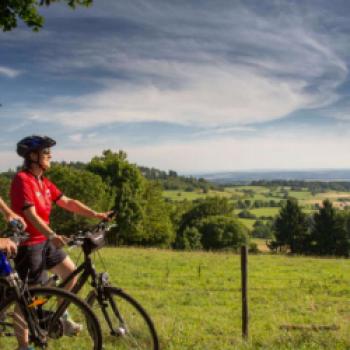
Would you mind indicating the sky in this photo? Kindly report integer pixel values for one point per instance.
(189, 85)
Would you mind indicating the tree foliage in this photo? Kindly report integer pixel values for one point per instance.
(329, 235)
(128, 184)
(145, 218)
(191, 239)
(4, 193)
(28, 12)
(222, 232)
(203, 208)
(157, 226)
(291, 227)
(84, 186)
(262, 229)
(210, 224)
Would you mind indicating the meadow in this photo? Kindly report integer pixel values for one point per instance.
(305, 198)
(194, 298)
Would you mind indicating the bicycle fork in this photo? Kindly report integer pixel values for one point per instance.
(104, 300)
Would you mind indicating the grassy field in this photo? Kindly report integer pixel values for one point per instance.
(265, 211)
(194, 298)
(249, 223)
(305, 198)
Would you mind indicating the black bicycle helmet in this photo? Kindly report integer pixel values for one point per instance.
(33, 143)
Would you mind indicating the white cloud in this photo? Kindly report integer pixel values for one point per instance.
(209, 96)
(9, 72)
(9, 160)
(76, 137)
(206, 94)
(217, 67)
(231, 66)
(297, 149)
(275, 152)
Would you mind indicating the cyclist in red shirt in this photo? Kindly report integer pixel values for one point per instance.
(32, 196)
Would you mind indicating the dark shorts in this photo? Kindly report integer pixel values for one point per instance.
(34, 261)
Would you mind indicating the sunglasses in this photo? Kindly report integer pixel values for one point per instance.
(46, 151)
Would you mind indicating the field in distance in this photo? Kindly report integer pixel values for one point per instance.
(262, 201)
(194, 298)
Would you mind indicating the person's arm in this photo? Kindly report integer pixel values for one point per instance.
(9, 214)
(80, 208)
(32, 216)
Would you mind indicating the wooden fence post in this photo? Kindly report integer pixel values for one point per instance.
(244, 277)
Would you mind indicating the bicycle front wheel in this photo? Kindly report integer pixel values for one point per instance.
(55, 319)
(127, 325)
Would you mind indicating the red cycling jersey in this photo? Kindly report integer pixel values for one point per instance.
(28, 190)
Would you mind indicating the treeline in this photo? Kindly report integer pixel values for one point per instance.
(327, 232)
(172, 181)
(312, 186)
(169, 180)
(144, 217)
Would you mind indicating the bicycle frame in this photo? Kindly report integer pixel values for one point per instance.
(85, 270)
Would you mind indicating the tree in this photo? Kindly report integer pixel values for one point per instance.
(246, 214)
(157, 226)
(191, 239)
(247, 203)
(201, 209)
(128, 184)
(4, 193)
(262, 230)
(343, 234)
(291, 228)
(27, 11)
(329, 235)
(221, 232)
(84, 186)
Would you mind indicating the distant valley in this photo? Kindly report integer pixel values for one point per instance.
(241, 177)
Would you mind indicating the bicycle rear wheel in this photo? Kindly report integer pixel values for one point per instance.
(127, 325)
(79, 329)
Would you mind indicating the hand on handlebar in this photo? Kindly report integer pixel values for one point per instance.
(107, 216)
(59, 241)
(8, 246)
(13, 218)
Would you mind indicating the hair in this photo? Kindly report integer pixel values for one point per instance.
(27, 162)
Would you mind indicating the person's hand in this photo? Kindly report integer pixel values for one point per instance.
(105, 216)
(59, 241)
(8, 246)
(16, 217)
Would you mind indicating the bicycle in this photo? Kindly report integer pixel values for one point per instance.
(41, 312)
(128, 324)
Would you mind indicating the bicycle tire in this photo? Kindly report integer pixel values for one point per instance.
(45, 301)
(133, 330)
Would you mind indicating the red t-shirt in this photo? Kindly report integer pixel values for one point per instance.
(27, 190)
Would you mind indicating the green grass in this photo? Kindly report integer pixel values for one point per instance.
(260, 193)
(249, 223)
(265, 211)
(182, 195)
(300, 194)
(195, 302)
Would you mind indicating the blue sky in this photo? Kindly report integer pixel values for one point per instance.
(186, 85)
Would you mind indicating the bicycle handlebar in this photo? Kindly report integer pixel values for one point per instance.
(15, 232)
(102, 227)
